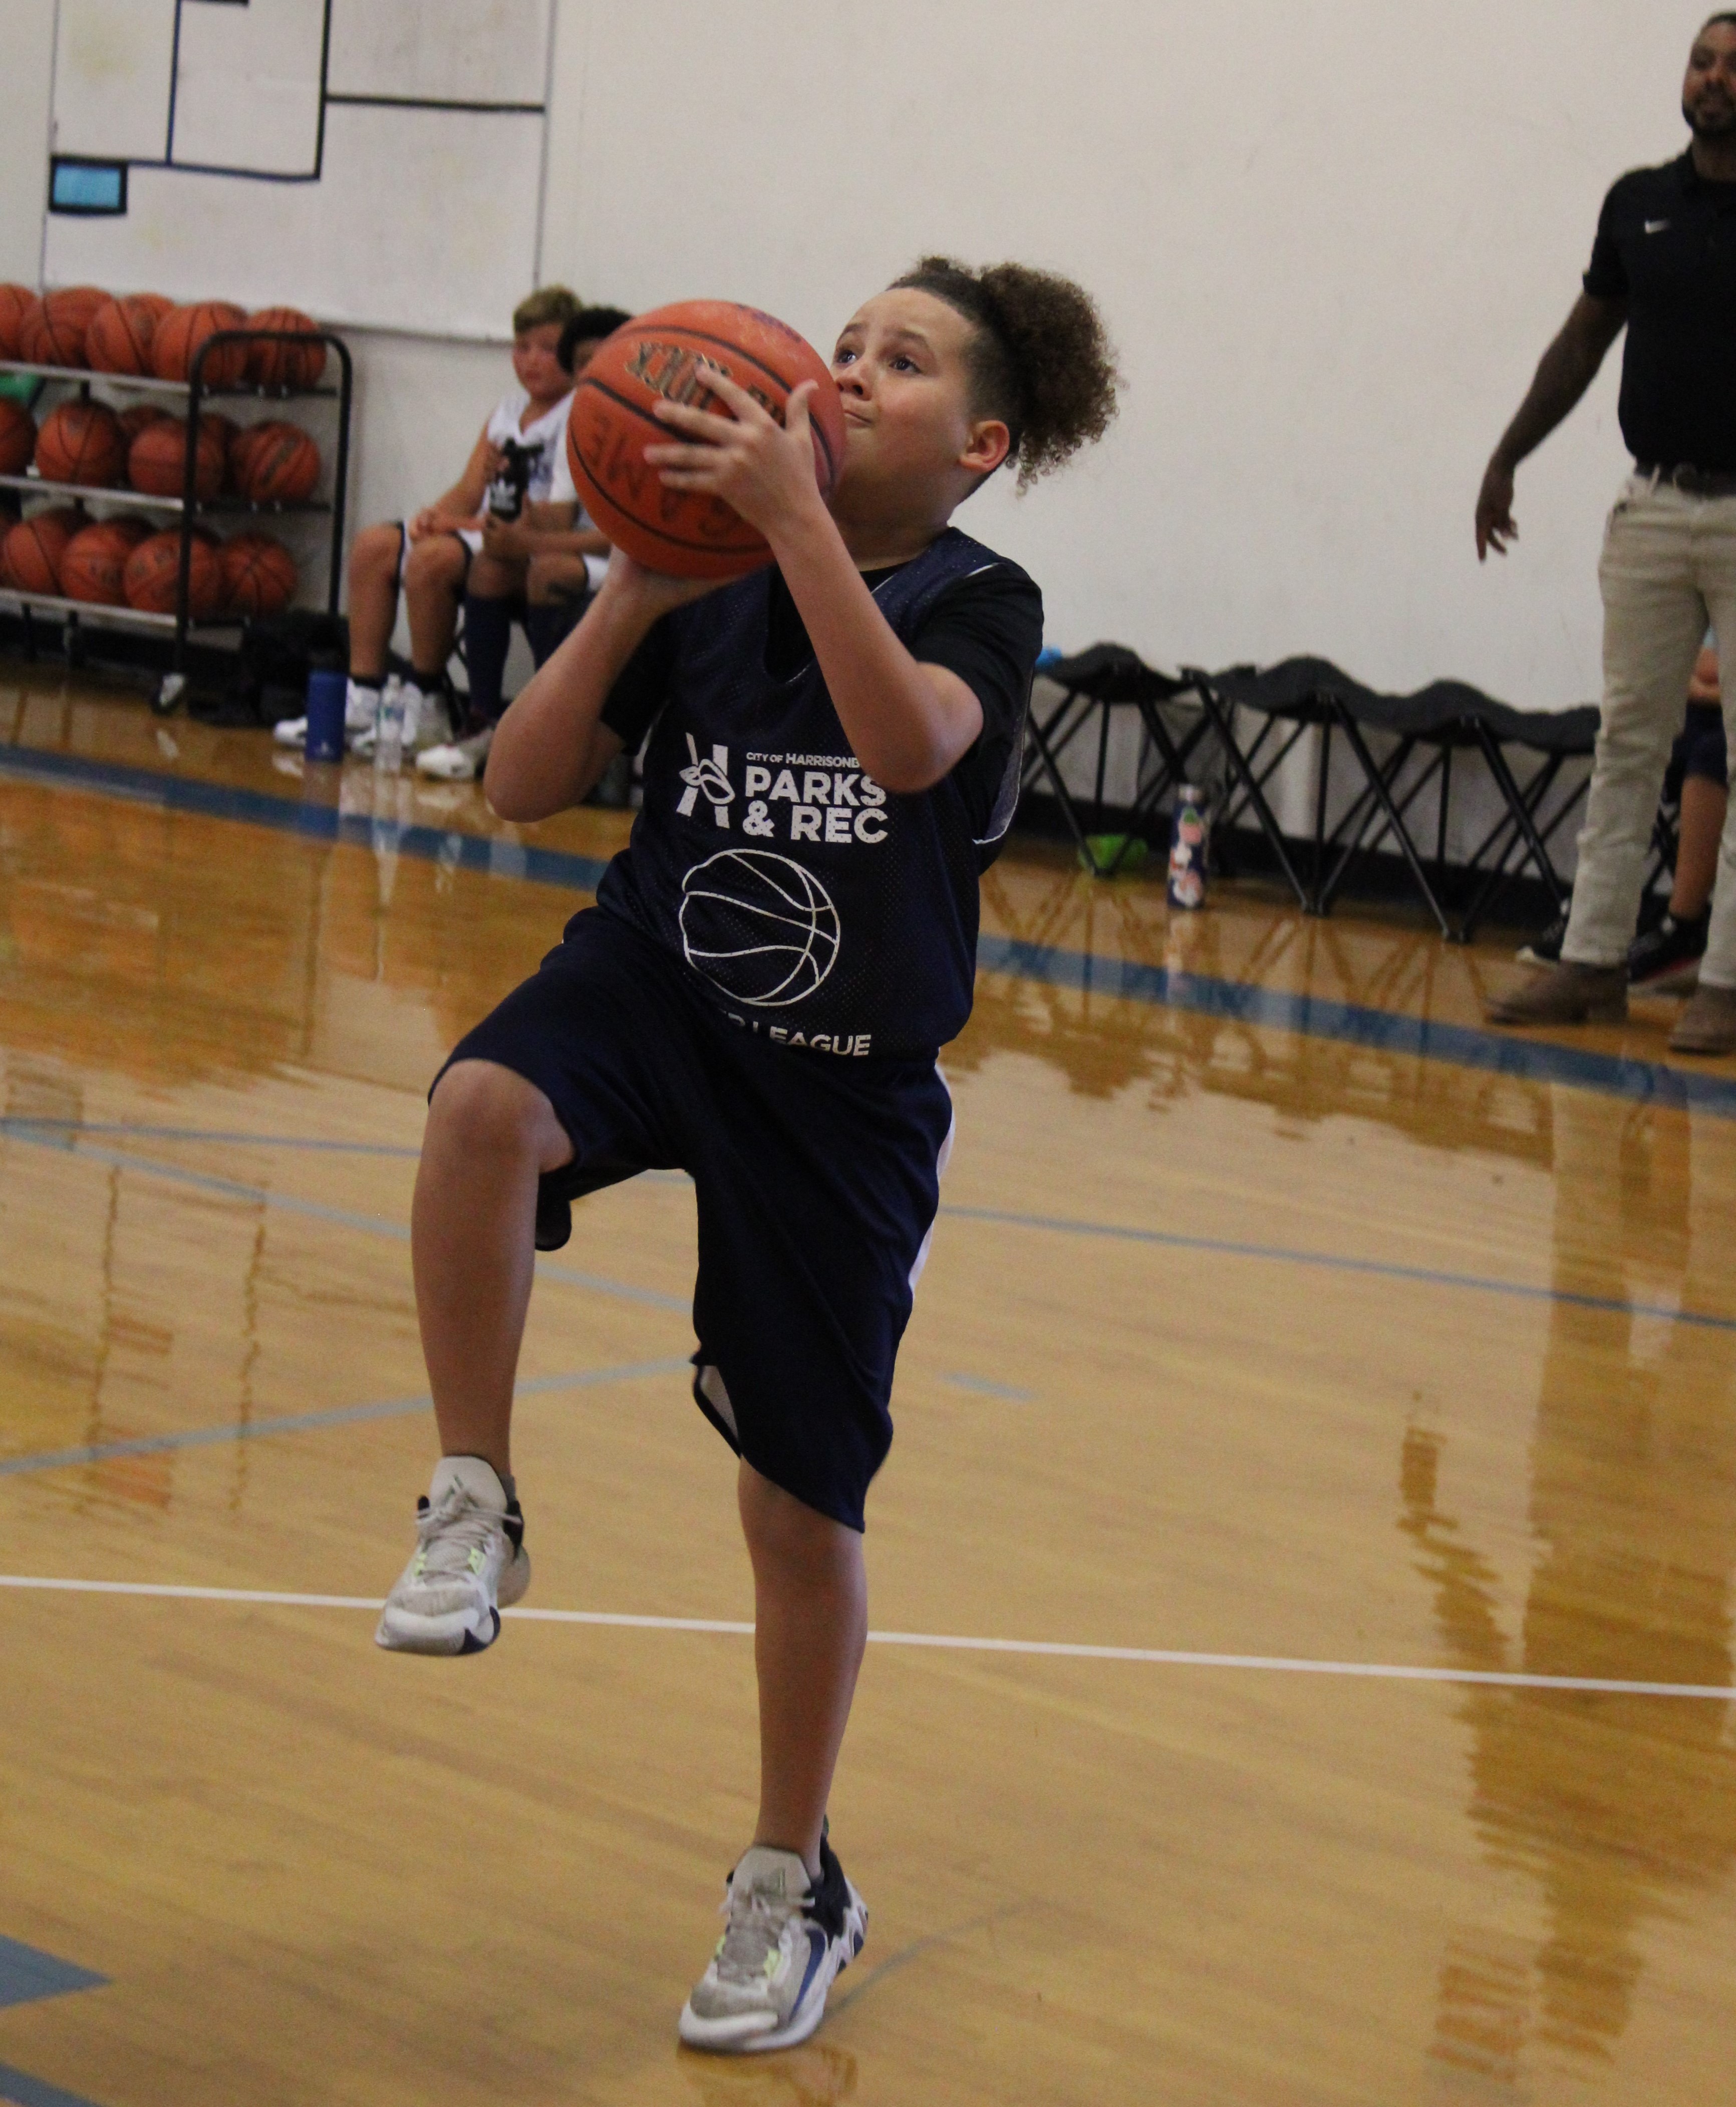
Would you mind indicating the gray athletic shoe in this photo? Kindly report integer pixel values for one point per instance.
(783, 1942)
(470, 1562)
(1707, 1024)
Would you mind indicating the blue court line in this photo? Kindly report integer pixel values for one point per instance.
(28, 1975)
(1330, 1262)
(301, 1423)
(28, 1127)
(21, 2090)
(490, 854)
(1385, 1031)
(1004, 1218)
(1381, 1030)
(343, 1218)
(984, 1388)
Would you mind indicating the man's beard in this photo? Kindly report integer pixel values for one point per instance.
(1722, 127)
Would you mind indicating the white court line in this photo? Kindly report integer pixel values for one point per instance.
(946, 1642)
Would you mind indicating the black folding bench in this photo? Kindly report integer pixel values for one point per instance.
(1431, 727)
(1095, 683)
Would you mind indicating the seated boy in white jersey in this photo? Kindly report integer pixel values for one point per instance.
(558, 555)
(437, 557)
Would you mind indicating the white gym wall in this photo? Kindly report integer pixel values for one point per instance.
(1331, 237)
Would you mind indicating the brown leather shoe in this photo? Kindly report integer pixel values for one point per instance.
(1566, 994)
(1707, 1023)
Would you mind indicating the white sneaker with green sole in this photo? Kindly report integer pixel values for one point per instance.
(785, 1940)
(470, 1563)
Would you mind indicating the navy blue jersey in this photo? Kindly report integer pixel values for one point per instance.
(815, 908)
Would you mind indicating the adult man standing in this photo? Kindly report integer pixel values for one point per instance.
(1664, 266)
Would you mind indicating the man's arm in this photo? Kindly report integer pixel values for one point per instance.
(1568, 369)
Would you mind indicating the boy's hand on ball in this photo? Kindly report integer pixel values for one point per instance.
(762, 468)
(647, 593)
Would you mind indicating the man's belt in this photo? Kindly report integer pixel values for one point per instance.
(1696, 481)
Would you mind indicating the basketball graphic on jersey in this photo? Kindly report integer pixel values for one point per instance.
(761, 927)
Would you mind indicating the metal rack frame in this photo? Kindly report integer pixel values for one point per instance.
(75, 615)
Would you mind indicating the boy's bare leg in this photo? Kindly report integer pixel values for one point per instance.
(811, 1626)
(434, 574)
(1704, 804)
(490, 1134)
(373, 599)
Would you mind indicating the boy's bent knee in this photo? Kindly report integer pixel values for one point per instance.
(480, 1105)
(376, 548)
(436, 560)
(779, 1525)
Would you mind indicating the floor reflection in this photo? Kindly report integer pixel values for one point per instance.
(1105, 1044)
(1617, 1809)
(815, 2074)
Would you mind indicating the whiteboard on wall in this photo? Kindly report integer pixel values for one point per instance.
(375, 162)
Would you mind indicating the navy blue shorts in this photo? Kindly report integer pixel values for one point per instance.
(817, 1177)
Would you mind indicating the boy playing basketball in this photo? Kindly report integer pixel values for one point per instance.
(758, 997)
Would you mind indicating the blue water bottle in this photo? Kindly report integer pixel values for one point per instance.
(326, 692)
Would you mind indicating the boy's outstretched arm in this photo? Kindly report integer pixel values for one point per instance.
(909, 724)
(552, 745)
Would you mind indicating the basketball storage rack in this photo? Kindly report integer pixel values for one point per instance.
(175, 632)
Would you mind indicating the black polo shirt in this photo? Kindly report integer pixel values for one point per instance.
(1666, 245)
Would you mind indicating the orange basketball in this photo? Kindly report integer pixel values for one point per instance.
(280, 465)
(31, 348)
(241, 449)
(285, 366)
(134, 420)
(260, 575)
(34, 548)
(119, 338)
(17, 437)
(152, 576)
(16, 303)
(94, 565)
(183, 330)
(663, 356)
(66, 316)
(81, 442)
(156, 460)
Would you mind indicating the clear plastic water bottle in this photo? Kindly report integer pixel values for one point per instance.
(1189, 833)
(389, 746)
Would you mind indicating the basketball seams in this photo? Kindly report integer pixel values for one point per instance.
(770, 373)
(671, 349)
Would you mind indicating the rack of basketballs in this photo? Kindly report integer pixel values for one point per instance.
(153, 503)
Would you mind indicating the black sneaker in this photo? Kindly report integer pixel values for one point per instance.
(1666, 960)
(1544, 948)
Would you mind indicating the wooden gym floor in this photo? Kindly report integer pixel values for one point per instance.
(1293, 1354)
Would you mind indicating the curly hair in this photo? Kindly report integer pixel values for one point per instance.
(1041, 358)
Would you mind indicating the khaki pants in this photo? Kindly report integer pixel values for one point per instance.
(1669, 567)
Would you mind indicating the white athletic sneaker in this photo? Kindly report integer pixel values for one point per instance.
(783, 1944)
(469, 1560)
(460, 761)
(426, 723)
(361, 708)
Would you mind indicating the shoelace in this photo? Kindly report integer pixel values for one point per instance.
(753, 1929)
(455, 1530)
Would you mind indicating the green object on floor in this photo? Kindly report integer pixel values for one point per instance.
(22, 386)
(1113, 856)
